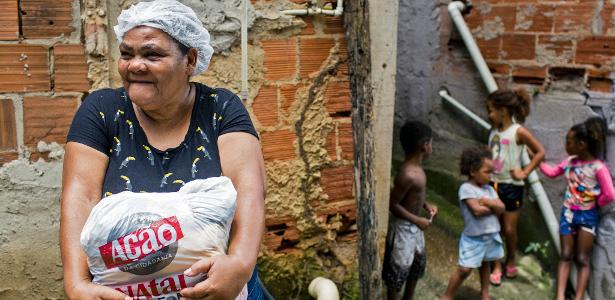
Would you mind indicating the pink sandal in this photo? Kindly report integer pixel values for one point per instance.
(495, 278)
(511, 271)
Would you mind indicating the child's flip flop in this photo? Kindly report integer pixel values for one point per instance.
(495, 278)
(511, 271)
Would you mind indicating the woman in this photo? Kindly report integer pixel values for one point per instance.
(155, 133)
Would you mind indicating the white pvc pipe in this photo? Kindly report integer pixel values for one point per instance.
(323, 289)
(244, 52)
(454, 9)
(338, 11)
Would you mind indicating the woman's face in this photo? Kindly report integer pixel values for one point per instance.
(152, 67)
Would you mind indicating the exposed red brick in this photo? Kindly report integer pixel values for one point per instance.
(292, 234)
(47, 119)
(313, 53)
(287, 96)
(347, 208)
(535, 18)
(280, 60)
(345, 140)
(46, 19)
(608, 18)
(595, 50)
(504, 14)
(575, 19)
(273, 240)
(24, 68)
(555, 49)
(337, 183)
(502, 81)
(337, 97)
(334, 25)
(309, 26)
(499, 68)
(490, 49)
(8, 129)
(518, 46)
(600, 80)
(9, 20)
(331, 144)
(600, 85)
(278, 145)
(71, 71)
(8, 156)
(529, 75)
(265, 106)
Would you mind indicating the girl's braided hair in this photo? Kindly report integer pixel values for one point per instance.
(593, 133)
(517, 102)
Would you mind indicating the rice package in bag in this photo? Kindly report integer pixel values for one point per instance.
(141, 243)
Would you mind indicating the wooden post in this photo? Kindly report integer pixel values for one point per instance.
(359, 65)
(372, 55)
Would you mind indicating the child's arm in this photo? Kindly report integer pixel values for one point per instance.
(553, 171)
(496, 205)
(607, 192)
(402, 186)
(525, 137)
(477, 208)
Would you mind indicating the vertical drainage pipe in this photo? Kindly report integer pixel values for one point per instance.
(454, 10)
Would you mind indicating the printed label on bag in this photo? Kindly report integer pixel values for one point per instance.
(142, 244)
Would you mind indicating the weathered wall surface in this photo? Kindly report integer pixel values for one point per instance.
(299, 102)
(553, 49)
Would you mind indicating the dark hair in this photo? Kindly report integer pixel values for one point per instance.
(517, 102)
(593, 133)
(472, 159)
(414, 134)
(182, 48)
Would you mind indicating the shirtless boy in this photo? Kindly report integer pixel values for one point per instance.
(404, 258)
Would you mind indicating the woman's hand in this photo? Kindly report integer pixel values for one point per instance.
(226, 277)
(88, 290)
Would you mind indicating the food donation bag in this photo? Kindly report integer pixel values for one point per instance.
(141, 243)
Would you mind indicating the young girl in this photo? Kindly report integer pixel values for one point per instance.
(507, 139)
(589, 184)
(480, 240)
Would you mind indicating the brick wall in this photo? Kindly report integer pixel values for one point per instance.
(44, 74)
(530, 42)
(293, 82)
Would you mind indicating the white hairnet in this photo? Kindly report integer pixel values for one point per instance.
(177, 20)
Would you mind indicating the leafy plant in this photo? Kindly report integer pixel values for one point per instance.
(538, 248)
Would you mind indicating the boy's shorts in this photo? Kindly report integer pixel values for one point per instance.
(571, 220)
(404, 255)
(510, 194)
(473, 250)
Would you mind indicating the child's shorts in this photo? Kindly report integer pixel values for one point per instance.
(571, 220)
(473, 250)
(404, 255)
(510, 194)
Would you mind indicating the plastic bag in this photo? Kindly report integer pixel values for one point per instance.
(141, 243)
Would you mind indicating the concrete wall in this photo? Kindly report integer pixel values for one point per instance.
(554, 50)
(299, 101)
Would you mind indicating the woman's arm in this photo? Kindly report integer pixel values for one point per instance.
(242, 161)
(82, 179)
(525, 137)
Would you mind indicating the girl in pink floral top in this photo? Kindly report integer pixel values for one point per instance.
(589, 185)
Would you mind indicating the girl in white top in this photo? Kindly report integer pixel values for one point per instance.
(507, 109)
